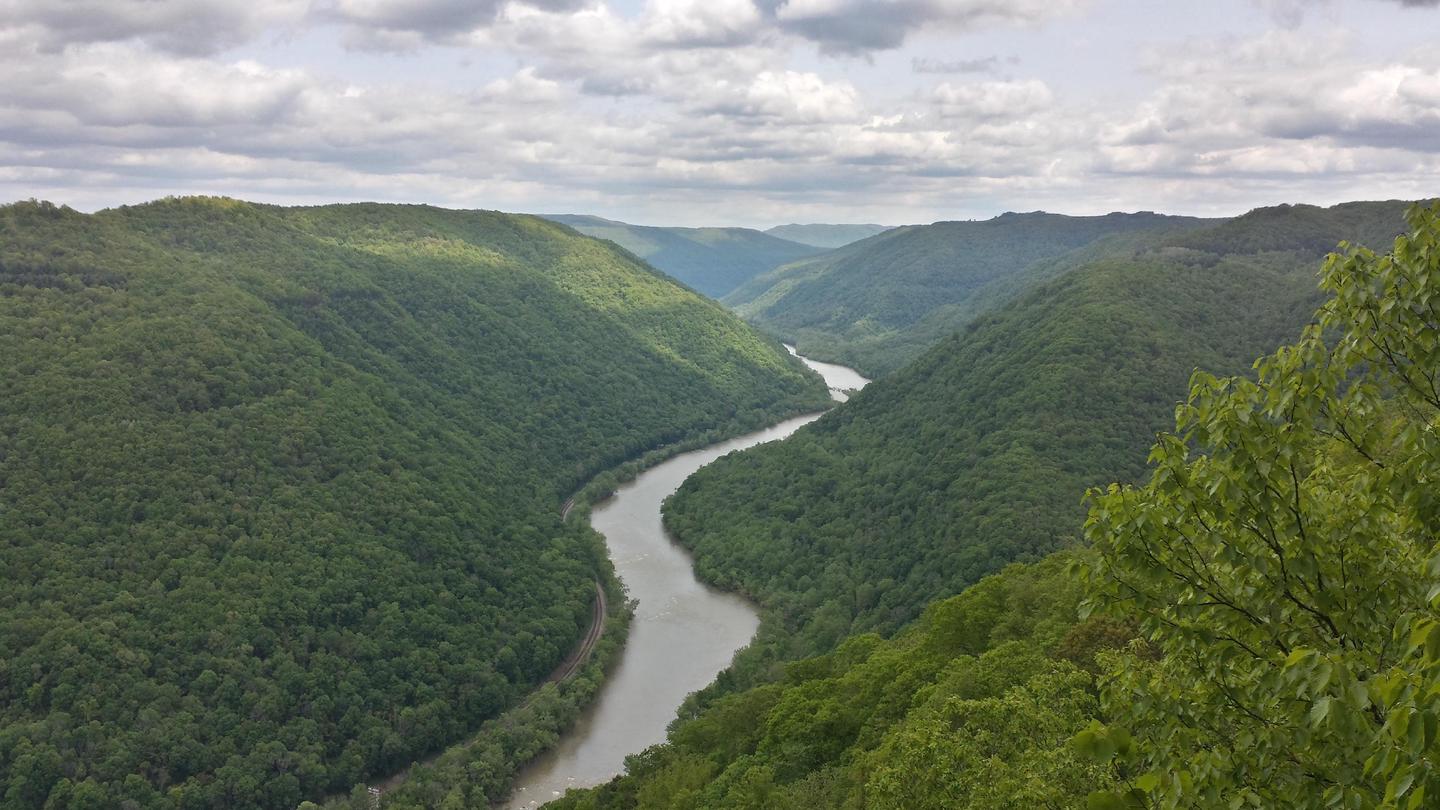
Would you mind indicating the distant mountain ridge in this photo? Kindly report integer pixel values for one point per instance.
(827, 235)
(713, 261)
(881, 302)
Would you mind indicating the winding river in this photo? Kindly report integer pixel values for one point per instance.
(683, 634)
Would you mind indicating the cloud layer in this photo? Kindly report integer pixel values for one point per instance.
(696, 111)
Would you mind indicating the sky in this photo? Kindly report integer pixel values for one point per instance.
(724, 112)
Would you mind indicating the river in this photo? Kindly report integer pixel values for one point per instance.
(683, 634)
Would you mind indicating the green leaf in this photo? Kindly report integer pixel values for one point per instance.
(1104, 800)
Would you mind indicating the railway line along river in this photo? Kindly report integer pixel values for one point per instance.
(683, 633)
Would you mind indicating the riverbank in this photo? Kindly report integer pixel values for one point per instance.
(480, 769)
(684, 632)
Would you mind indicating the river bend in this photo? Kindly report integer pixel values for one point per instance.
(683, 634)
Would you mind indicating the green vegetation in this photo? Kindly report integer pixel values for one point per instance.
(279, 488)
(1261, 624)
(972, 706)
(826, 236)
(1283, 559)
(713, 261)
(479, 772)
(881, 303)
(977, 454)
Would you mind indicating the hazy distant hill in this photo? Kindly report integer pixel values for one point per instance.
(712, 260)
(279, 487)
(826, 236)
(881, 302)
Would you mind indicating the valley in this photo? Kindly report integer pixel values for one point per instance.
(683, 632)
(1036, 684)
(880, 302)
(713, 261)
(773, 583)
(744, 405)
(293, 475)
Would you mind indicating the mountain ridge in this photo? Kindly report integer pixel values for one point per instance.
(976, 454)
(713, 261)
(827, 235)
(880, 302)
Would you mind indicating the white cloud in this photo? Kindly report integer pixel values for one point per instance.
(112, 86)
(701, 23)
(786, 97)
(408, 25)
(1010, 99)
(189, 27)
(858, 26)
(706, 109)
(1280, 104)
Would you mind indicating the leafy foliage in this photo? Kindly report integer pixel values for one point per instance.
(883, 302)
(713, 261)
(977, 454)
(1283, 558)
(973, 706)
(478, 773)
(279, 487)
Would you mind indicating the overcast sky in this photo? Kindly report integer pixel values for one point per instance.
(749, 112)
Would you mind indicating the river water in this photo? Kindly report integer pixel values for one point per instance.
(683, 634)
(841, 379)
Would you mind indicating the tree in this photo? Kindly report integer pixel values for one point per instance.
(1282, 559)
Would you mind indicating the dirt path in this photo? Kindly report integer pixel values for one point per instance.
(565, 671)
(599, 611)
(571, 665)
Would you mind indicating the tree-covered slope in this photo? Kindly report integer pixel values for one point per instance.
(825, 235)
(1282, 562)
(712, 260)
(978, 453)
(880, 303)
(971, 707)
(279, 487)
(1261, 623)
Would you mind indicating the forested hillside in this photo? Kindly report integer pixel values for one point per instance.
(279, 487)
(1259, 619)
(881, 303)
(712, 260)
(977, 454)
(1282, 563)
(971, 707)
(826, 236)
